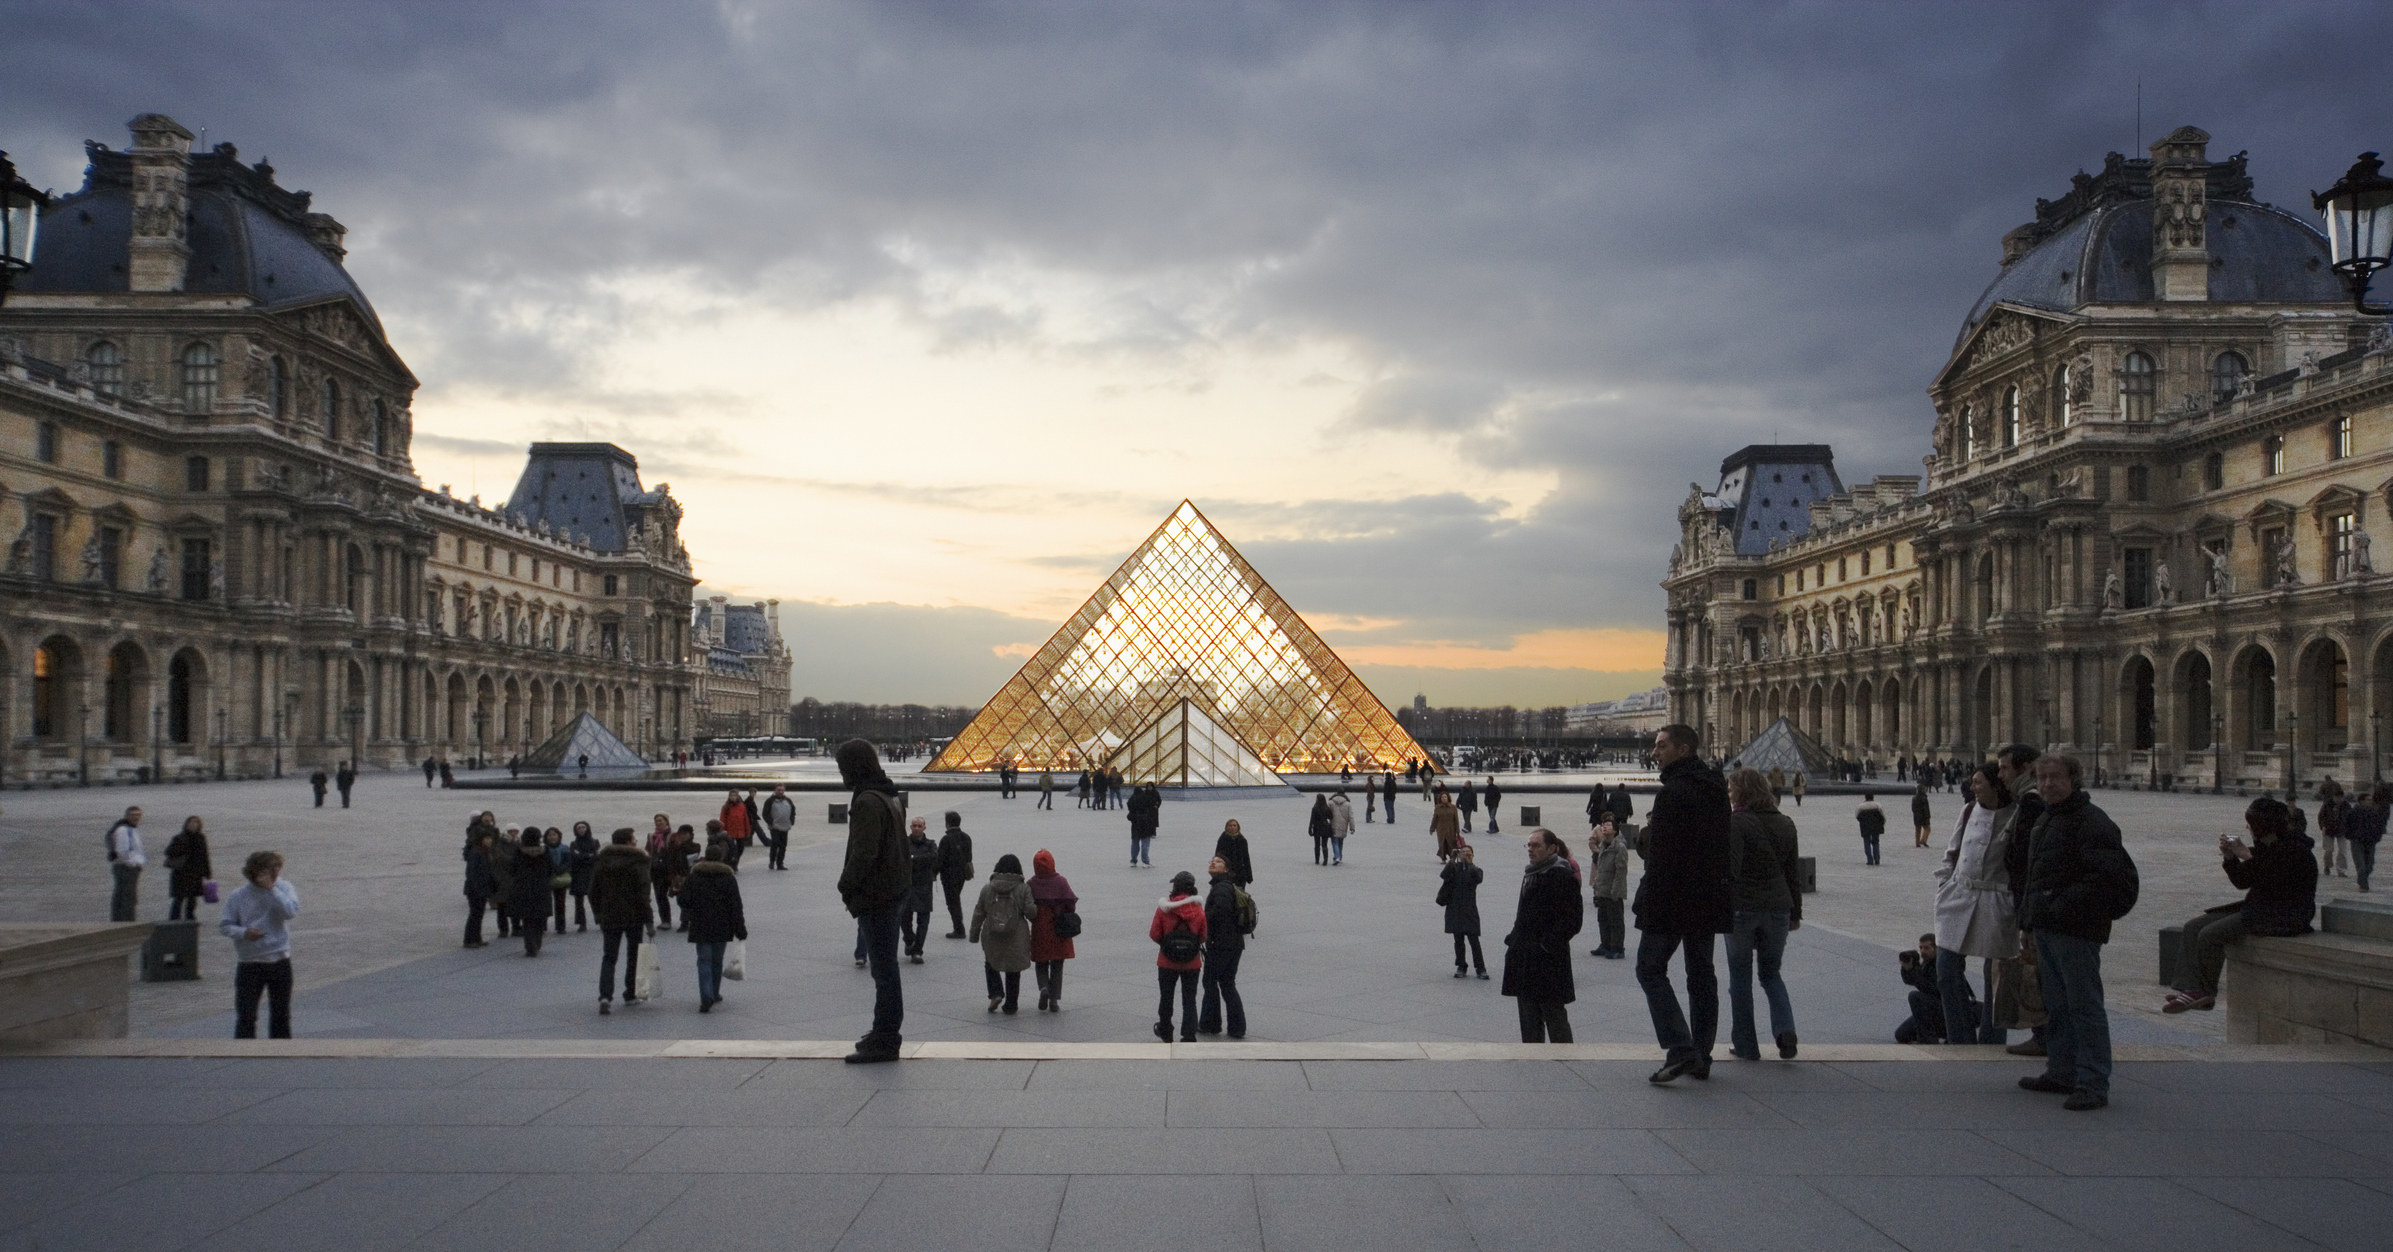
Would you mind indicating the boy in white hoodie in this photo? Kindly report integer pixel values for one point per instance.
(257, 918)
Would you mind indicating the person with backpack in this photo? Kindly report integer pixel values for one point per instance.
(619, 895)
(187, 870)
(1871, 817)
(1051, 935)
(780, 813)
(1231, 848)
(2079, 880)
(1458, 893)
(1001, 925)
(1178, 932)
(1229, 918)
(125, 860)
(955, 869)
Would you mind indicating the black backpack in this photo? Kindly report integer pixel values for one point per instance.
(1180, 943)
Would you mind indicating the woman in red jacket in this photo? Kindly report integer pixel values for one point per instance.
(1049, 950)
(735, 825)
(1179, 935)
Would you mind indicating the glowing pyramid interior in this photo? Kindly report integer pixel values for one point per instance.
(1185, 748)
(1184, 621)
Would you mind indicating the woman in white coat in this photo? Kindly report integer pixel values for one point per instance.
(1974, 915)
(1341, 824)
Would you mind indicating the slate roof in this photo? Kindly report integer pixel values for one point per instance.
(581, 489)
(1768, 488)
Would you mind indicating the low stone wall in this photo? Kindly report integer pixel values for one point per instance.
(2328, 987)
(66, 981)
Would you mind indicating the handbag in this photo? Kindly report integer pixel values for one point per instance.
(560, 880)
(207, 891)
(2018, 995)
(1445, 894)
(648, 982)
(735, 960)
(1067, 924)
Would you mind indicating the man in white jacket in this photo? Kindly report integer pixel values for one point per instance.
(257, 918)
(125, 860)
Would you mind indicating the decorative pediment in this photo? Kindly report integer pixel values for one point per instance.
(2140, 532)
(2006, 330)
(2270, 513)
(117, 513)
(190, 523)
(339, 321)
(2338, 498)
(2212, 525)
(50, 500)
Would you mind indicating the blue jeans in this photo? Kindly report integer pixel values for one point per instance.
(1869, 849)
(1952, 991)
(2077, 1040)
(879, 932)
(710, 971)
(2363, 861)
(1763, 933)
(1142, 850)
(1670, 1027)
(1337, 848)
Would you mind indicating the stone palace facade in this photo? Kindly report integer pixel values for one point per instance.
(220, 559)
(2162, 456)
(741, 667)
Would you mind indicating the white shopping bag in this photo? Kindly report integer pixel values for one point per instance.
(735, 960)
(647, 983)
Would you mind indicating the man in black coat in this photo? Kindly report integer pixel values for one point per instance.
(1683, 899)
(1225, 944)
(955, 869)
(2015, 765)
(2079, 878)
(1623, 807)
(317, 782)
(922, 861)
(1537, 952)
(873, 881)
(619, 895)
(345, 778)
(1495, 799)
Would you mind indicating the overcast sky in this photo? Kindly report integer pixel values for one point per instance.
(929, 312)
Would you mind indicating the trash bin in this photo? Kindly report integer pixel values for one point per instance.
(1532, 816)
(839, 815)
(2172, 939)
(171, 953)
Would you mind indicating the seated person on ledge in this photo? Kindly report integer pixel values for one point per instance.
(2280, 881)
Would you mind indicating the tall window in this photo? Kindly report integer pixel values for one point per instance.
(1969, 434)
(2063, 411)
(199, 379)
(2272, 455)
(356, 583)
(2339, 438)
(2010, 417)
(112, 459)
(2214, 472)
(2137, 383)
(195, 473)
(278, 390)
(2139, 483)
(2340, 529)
(180, 682)
(332, 411)
(197, 554)
(382, 438)
(45, 443)
(112, 548)
(2272, 541)
(2226, 376)
(49, 674)
(2138, 563)
(107, 363)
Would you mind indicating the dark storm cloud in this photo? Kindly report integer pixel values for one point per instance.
(1609, 242)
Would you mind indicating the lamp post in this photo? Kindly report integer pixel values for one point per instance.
(356, 714)
(2293, 752)
(20, 217)
(220, 720)
(2218, 751)
(481, 725)
(2097, 749)
(2376, 745)
(157, 743)
(2359, 213)
(82, 745)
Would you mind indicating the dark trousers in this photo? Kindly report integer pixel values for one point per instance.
(2077, 1039)
(474, 907)
(271, 979)
(557, 907)
(1051, 980)
(1220, 981)
(1467, 815)
(1321, 849)
(2363, 862)
(506, 916)
(1390, 802)
(738, 846)
(1670, 1025)
(879, 930)
(914, 925)
(1926, 1023)
(123, 901)
(1478, 958)
(1544, 1021)
(182, 908)
(664, 902)
(1491, 829)
(778, 841)
(532, 932)
(1610, 935)
(1046, 800)
(1006, 986)
(1186, 981)
(954, 889)
(628, 939)
(344, 797)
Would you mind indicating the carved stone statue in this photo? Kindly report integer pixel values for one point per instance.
(2164, 590)
(157, 578)
(94, 562)
(2288, 574)
(1678, 556)
(2380, 340)
(2309, 364)
(1910, 621)
(2361, 563)
(1827, 641)
(20, 551)
(216, 579)
(2222, 579)
(2114, 591)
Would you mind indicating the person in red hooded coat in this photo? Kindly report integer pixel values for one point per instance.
(1178, 932)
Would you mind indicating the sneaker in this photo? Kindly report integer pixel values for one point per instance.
(2045, 1084)
(1483, 973)
(859, 964)
(870, 1056)
(2026, 1047)
(603, 1009)
(2181, 1001)
(1671, 1071)
(2085, 1099)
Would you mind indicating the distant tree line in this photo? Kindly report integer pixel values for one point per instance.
(1466, 725)
(845, 719)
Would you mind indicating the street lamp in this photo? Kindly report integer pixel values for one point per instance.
(2293, 752)
(157, 743)
(2376, 745)
(481, 724)
(82, 745)
(2359, 213)
(220, 719)
(20, 216)
(2097, 749)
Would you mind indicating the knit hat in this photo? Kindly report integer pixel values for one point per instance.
(1184, 883)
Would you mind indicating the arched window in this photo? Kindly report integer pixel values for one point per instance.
(332, 411)
(382, 419)
(2010, 417)
(2226, 376)
(278, 389)
(199, 379)
(182, 681)
(2137, 384)
(107, 364)
(2063, 412)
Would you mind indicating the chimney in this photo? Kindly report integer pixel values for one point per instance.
(2180, 244)
(328, 236)
(161, 153)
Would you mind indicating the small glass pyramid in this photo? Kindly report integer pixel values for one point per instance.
(1184, 621)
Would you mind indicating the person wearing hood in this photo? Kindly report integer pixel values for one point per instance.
(1145, 811)
(1049, 947)
(955, 869)
(710, 903)
(187, 870)
(1683, 900)
(2280, 882)
(1001, 924)
(581, 858)
(1446, 824)
(734, 817)
(1341, 824)
(1537, 970)
(1178, 933)
(619, 896)
(873, 881)
(1225, 944)
(1458, 890)
(922, 879)
(1231, 847)
(481, 881)
(1317, 825)
(527, 894)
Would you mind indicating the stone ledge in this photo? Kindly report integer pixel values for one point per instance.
(62, 981)
(824, 1049)
(2317, 988)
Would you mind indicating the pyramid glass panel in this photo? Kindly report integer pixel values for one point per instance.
(1185, 620)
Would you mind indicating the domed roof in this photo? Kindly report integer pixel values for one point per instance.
(2094, 246)
(247, 236)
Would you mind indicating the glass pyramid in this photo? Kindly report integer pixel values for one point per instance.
(1185, 748)
(584, 736)
(1185, 619)
(1782, 746)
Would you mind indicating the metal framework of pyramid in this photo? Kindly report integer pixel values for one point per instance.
(561, 752)
(1184, 619)
(1782, 746)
